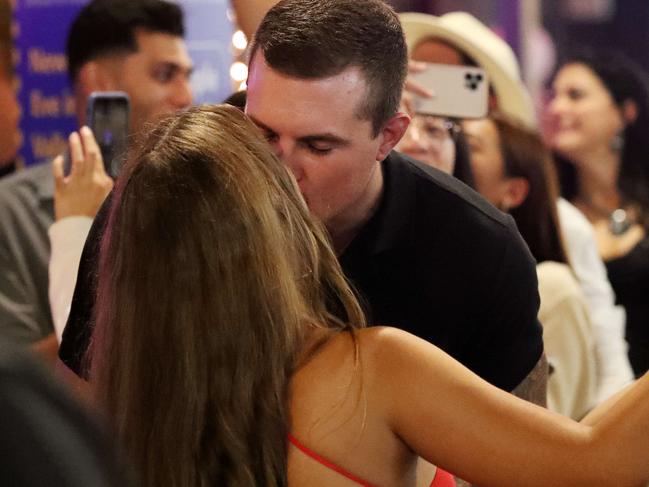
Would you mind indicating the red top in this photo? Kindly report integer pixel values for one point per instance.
(442, 478)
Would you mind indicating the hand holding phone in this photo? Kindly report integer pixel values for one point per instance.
(412, 87)
(82, 192)
(108, 114)
(458, 91)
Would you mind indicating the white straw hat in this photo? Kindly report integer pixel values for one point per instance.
(466, 33)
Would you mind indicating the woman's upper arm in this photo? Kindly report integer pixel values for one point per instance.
(454, 419)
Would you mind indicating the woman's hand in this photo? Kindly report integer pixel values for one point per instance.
(412, 88)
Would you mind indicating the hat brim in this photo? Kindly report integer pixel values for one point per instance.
(513, 98)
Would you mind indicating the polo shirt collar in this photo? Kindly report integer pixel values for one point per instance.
(384, 231)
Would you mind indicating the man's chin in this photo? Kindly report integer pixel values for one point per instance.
(317, 212)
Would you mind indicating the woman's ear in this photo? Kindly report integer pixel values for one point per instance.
(516, 191)
(629, 111)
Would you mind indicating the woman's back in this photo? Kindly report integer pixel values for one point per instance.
(340, 421)
(336, 412)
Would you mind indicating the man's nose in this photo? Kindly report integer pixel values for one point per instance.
(556, 105)
(286, 152)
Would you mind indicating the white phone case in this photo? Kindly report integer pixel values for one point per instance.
(459, 91)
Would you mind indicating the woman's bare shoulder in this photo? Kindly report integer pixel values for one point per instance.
(389, 340)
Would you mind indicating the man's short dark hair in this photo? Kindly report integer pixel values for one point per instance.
(312, 39)
(108, 27)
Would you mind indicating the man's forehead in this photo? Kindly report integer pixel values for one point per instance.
(352, 71)
(266, 85)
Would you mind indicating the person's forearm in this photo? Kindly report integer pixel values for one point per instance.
(622, 422)
(67, 238)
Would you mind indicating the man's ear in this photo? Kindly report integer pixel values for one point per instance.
(391, 134)
(516, 191)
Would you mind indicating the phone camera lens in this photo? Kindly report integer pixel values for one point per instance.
(472, 80)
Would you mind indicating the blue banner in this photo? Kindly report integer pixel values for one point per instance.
(45, 95)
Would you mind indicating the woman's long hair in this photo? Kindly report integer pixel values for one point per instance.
(211, 273)
(625, 81)
(526, 156)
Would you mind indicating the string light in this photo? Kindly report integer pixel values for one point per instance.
(238, 71)
(239, 40)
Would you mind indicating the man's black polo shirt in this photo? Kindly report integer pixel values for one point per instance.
(438, 261)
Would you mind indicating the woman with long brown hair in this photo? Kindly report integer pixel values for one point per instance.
(211, 276)
(216, 342)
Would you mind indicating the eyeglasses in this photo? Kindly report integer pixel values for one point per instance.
(436, 129)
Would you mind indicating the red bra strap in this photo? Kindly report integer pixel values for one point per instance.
(310, 453)
(443, 479)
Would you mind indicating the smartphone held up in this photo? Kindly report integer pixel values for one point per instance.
(458, 91)
(108, 115)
